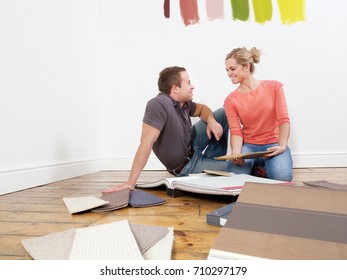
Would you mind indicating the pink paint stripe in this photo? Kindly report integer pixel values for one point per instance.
(215, 9)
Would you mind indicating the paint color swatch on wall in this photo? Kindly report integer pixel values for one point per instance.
(262, 10)
(240, 9)
(290, 11)
(189, 11)
(167, 8)
(215, 9)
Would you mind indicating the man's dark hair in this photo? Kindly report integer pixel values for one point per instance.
(169, 77)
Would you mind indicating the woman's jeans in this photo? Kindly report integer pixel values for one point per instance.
(279, 167)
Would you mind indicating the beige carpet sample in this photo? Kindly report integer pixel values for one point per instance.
(54, 246)
(82, 203)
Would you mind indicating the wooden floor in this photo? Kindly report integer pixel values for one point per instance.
(39, 211)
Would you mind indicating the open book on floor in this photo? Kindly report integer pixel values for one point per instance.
(206, 184)
(284, 222)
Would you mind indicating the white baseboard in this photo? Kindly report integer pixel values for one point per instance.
(24, 177)
(320, 160)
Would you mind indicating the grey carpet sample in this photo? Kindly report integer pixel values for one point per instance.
(140, 198)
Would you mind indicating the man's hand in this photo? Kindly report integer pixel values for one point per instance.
(214, 127)
(206, 116)
(119, 187)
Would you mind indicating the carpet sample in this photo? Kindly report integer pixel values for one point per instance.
(326, 184)
(154, 242)
(82, 203)
(117, 200)
(54, 246)
(161, 250)
(140, 198)
(147, 236)
(114, 241)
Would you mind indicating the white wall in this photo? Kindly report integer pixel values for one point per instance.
(308, 57)
(49, 110)
(76, 76)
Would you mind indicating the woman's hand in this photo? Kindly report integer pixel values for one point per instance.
(275, 151)
(237, 160)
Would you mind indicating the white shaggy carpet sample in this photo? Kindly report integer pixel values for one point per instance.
(114, 241)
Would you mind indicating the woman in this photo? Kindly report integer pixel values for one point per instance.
(258, 118)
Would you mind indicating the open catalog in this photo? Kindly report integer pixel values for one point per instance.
(212, 182)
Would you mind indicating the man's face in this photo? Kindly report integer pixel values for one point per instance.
(184, 93)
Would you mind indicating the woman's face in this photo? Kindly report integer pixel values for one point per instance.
(236, 72)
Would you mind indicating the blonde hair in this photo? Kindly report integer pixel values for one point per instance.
(244, 57)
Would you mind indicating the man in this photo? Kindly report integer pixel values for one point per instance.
(167, 129)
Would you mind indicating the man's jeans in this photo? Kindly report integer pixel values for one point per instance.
(205, 149)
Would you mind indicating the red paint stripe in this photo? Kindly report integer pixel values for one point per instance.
(167, 8)
(189, 11)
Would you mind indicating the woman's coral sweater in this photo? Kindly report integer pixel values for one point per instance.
(257, 115)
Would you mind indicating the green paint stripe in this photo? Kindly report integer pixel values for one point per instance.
(262, 10)
(291, 10)
(240, 9)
